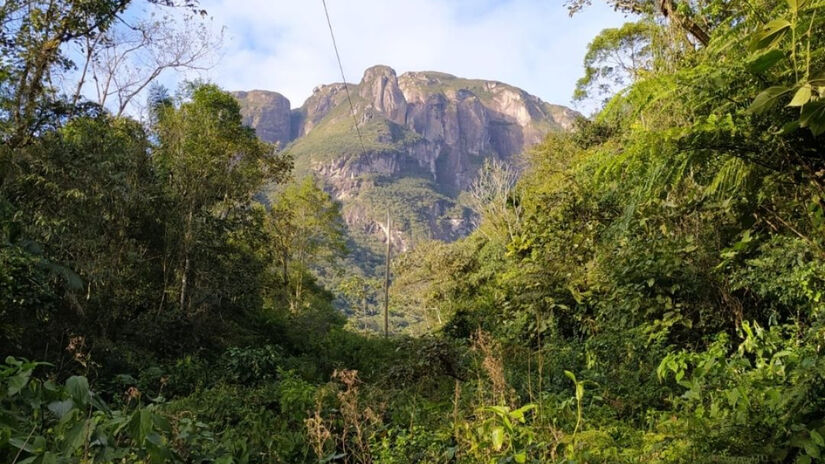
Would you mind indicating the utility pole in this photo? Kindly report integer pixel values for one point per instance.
(364, 306)
(387, 278)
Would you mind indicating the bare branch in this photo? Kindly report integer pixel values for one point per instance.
(493, 196)
(131, 56)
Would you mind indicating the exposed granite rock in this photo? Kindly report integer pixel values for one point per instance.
(379, 87)
(429, 126)
(324, 99)
(270, 113)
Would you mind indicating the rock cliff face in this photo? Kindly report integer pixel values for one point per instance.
(424, 137)
(269, 113)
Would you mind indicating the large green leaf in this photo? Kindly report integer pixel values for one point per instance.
(34, 445)
(78, 388)
(770, 34)
(140, 425)
(61, 408)
(813, 117)
(802, 96)
(767, 98)
(76, 436)
(18, 381)
(816, 437)
(761, 62)
(796, 5)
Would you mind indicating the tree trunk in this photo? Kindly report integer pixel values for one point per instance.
(184, 279)
(668, 10)
(285, 268)
(299, 284)
(364, 309)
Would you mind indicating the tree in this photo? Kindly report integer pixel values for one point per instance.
(307, 234)
(686, 15)
(359, 291)
(494, 198)
(616, 58)
(31, 40)
(90, 192)
(211, 165)
(122, 62)
(428, 283)
(34, 35)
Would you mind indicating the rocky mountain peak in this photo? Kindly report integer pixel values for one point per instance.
(425, 135)
(269, 113)
(324, 99)
(379, 86)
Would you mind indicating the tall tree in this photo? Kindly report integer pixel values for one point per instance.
(686, 15)
(307, 232)
(615, 58)
(211, 164)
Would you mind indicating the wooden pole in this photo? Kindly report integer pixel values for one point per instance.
(364, 307)
(387, 278)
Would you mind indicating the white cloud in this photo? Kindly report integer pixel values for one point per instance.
(285, 45)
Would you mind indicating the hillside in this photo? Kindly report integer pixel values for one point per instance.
(425, 135)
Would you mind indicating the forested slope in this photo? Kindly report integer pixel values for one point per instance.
(650, 290)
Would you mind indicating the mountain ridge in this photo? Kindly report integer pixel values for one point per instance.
(425, 135)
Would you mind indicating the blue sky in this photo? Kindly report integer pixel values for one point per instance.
(284, 45)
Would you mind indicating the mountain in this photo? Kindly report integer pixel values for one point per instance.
(425, 135)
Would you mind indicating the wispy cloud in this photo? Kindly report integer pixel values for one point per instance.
(285, 46)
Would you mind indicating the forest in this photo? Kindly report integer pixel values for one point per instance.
(651, 289)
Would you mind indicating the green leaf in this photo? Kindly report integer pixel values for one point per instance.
(519, 413)
(789, 128)
(18, 382)
(520, 457)
(75, 437)
(793, 5)
(78, 388)
(145, 424)
(60, 408)
(797, 5)
(497, 436)
(764, 61)
(770, 34)
(100, 405)
(767, 98)
(813, 117)
(49, 458)
(161, 424)
(801, 97)
(36, 445)
(500, 411)
(817, 438)
(811, 449)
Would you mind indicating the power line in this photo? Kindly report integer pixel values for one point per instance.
(344, 78)
(364, 153)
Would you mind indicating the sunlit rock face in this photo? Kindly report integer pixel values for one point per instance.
(425, 135)
(269, 113)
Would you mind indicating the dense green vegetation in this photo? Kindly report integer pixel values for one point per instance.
(651, 290)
